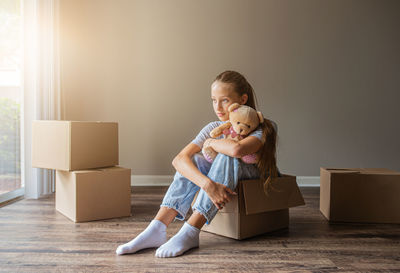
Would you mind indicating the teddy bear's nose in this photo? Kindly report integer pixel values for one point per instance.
(241, 130)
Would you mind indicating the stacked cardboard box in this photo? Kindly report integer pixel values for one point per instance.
(252, 212)
(89, 185)
(360, 195)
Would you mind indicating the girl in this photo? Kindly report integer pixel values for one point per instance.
(215, 181)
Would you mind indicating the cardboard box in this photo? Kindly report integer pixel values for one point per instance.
(74, 145)
(360, 195)
(94, 194)
(251, 212)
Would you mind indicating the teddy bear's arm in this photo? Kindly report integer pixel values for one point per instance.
(218, 131)
(251, 158)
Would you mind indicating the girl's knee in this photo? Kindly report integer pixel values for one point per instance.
(200, 161)
(198, 157)
(223, 157)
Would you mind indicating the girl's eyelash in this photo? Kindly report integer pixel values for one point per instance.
(214, 100)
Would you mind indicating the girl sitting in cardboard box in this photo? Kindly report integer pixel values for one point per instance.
(215, 180)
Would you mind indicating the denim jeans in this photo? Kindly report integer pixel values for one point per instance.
(224, 169)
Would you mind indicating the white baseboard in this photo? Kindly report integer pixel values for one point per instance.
(151, 180)
(166, 180)
(12, 194)
(308, 181)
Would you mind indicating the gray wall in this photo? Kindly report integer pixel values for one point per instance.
(326, 71)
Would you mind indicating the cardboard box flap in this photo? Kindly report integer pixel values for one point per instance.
(284, 193)
(108, 169)
(378, 171)
(362, 170)
(342, 170)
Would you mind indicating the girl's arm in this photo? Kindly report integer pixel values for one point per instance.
(184, 165)
(246, 146)
(217, 192)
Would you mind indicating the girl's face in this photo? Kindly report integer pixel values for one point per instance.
(223, 95)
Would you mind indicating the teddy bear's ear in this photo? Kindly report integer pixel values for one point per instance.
(233, 106)
(260, 116)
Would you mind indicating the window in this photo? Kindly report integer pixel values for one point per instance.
(10, 98)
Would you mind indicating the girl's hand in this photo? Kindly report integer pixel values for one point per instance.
(218, 193)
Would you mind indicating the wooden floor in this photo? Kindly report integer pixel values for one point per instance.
(36, 238)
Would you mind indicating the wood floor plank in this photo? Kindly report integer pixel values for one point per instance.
(34, 237)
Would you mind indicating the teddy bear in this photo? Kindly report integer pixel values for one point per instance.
(243, 120)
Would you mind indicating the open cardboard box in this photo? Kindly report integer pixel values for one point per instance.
(94, 194)
(74, 145)
(251, 212)
(360, 195)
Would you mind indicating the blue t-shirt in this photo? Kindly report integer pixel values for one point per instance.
(204, 134)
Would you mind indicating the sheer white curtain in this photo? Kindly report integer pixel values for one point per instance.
(42, 96)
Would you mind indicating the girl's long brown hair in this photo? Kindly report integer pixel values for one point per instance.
(267, 164)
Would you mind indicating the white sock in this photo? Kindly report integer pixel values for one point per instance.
(153, 236)
(185, 239)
